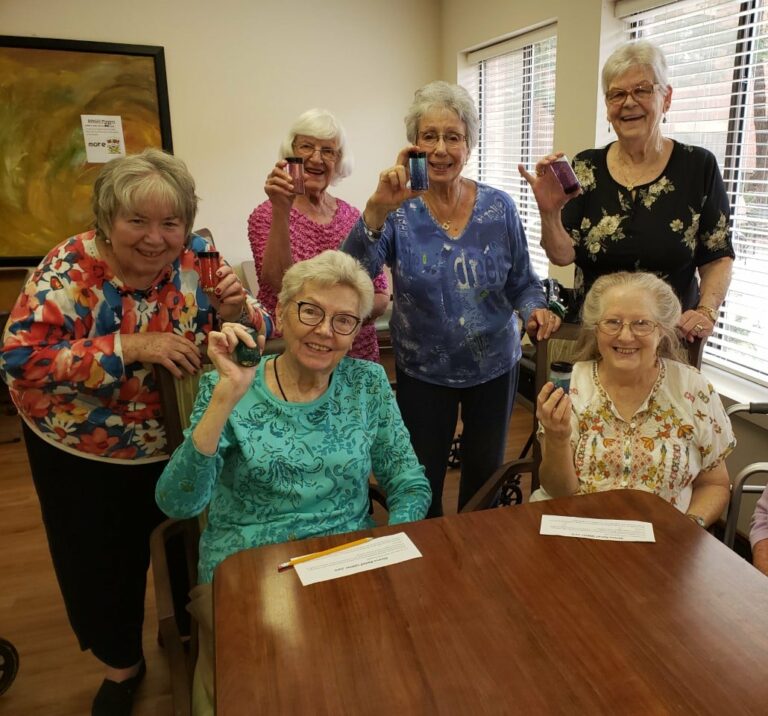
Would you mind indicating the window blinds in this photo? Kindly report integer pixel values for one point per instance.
(513, 85)
(717, 51)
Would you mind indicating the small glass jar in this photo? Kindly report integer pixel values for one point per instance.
(245, 355)
(208, 262)
(296, 169)
(417, 168)
(560, 374)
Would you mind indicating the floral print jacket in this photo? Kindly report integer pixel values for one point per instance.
(62, 355)
(668, 227)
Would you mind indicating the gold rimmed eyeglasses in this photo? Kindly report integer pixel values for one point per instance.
(640, 93)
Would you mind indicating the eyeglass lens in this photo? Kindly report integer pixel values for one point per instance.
(451, 139)
(306, 150)
(639, 327)
(313, 315)
(639, 94)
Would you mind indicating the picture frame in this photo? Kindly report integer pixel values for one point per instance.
(47, 86)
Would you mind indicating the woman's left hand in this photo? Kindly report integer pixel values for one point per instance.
(542, 324)
(229, 295)
(695, 325)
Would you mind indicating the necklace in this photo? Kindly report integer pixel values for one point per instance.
(647, 169)
(446, 225)
(277, 378)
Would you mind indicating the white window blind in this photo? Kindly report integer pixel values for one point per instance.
(717, 51)
(513, 85)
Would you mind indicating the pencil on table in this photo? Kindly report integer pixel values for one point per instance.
(315, 555)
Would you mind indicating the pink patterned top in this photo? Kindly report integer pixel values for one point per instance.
(307, 240)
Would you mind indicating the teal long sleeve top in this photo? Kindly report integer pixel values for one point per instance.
(286, 471)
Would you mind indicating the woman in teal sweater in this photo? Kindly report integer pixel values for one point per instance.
(283, 451)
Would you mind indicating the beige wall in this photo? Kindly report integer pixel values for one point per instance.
(240, 71)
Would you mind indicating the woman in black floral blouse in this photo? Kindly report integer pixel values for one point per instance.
(648, 203)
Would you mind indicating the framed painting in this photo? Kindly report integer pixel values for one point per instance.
(50, 90)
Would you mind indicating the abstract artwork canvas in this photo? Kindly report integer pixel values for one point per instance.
(47, 87)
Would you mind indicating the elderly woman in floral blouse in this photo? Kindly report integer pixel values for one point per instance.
(648, 203)
(637, 416)
(99, 312)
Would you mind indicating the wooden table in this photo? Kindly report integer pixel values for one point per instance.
(496, 618)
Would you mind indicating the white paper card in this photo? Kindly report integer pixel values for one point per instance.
(103, 136)
(379, 552)
(592, 528)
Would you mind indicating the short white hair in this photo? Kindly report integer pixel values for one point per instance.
(321, 124)
(329, 268)
(638, 53)
(439, 94)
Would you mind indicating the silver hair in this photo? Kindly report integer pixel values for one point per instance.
(329, 268)
(665, 308)
(633, 54)
(321, 124)
(442, 94)
(128, 182)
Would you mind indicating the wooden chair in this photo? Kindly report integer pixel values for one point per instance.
(174, 548)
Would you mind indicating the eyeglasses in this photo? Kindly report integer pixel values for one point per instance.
(641, 93)
(639, 327)
(311, 314)
(305, 150)
(451, 139)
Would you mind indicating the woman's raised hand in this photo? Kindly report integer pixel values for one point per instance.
(546, 188)
(391, 191)
(553, 411)
(233, 377)
(229, 295)
(279, 187)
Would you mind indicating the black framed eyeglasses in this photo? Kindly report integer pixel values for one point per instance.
(306, 149)
(639, 327)
(640, 93)
(310, 314)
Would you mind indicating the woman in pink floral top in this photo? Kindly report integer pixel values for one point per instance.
(100, 310)
(637, 416)
(291, 227)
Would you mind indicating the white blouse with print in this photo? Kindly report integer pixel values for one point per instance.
(680, 430)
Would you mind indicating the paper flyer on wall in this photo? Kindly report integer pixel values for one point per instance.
(103, 136)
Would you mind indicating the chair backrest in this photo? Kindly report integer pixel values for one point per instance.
(739, 485)
(174, 548)
(695, 350)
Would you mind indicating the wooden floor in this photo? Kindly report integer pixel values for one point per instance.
(55, 678)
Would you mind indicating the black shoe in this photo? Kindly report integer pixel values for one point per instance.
(115, 698)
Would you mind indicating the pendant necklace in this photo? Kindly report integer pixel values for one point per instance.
(446, 225)
(277, 378)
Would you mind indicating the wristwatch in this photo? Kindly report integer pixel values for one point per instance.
(698, 519)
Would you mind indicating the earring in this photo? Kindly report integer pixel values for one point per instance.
(664, 118)
(609, 127)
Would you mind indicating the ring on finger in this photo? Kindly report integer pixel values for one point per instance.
(539, 172)
(698, 328)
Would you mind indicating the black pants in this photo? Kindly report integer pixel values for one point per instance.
(98, 517)
(430, 413)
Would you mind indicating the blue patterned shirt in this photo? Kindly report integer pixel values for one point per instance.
(454, 320)
(286, 471)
